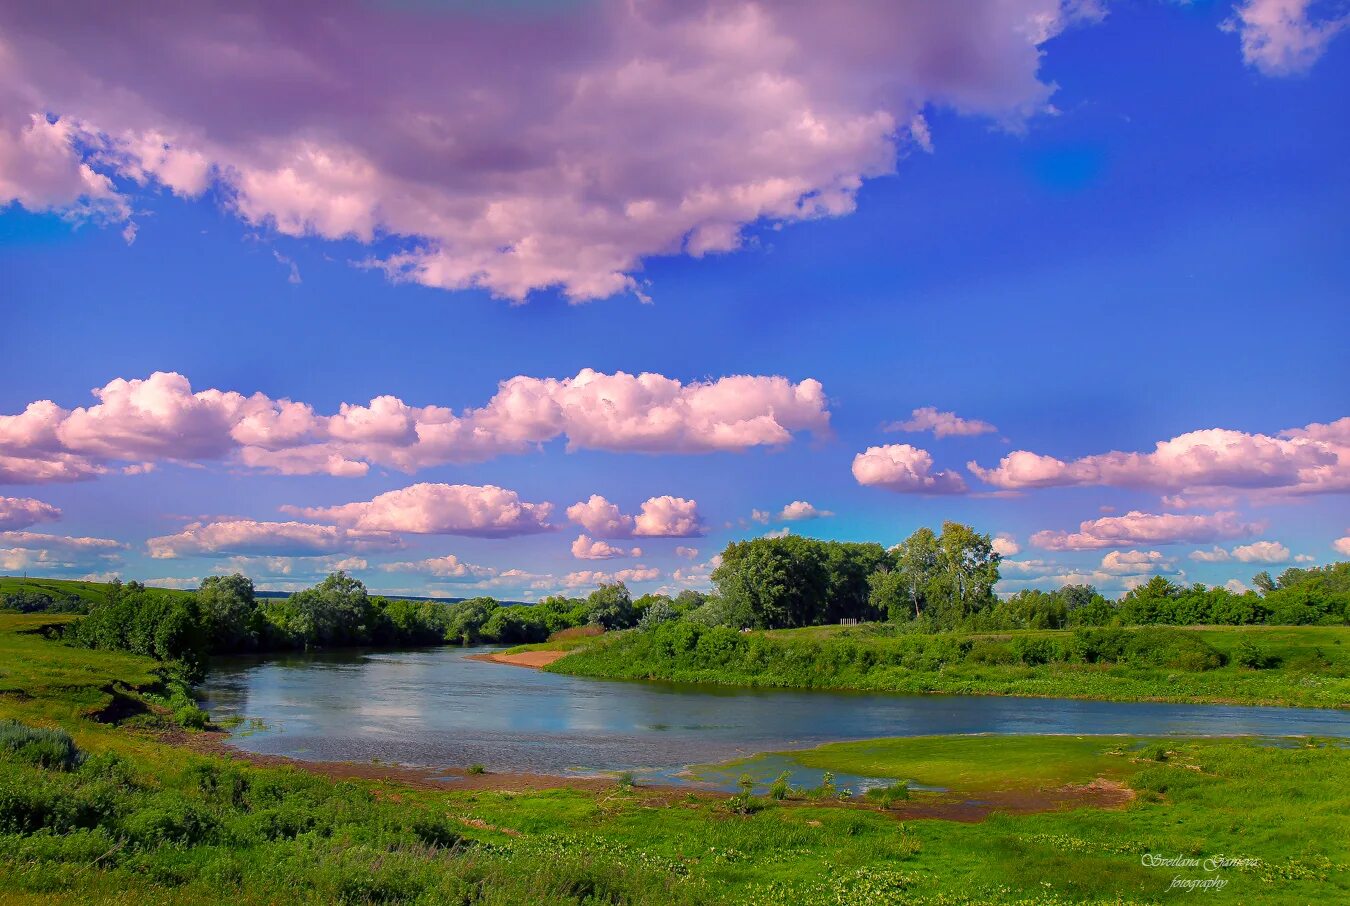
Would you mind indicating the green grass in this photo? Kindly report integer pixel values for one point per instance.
(140, 820)
(90, 592)
(567, 644)
(1312, 664)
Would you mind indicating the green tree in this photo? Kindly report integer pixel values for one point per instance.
(611, 606)
(229, 612)
(337, 611)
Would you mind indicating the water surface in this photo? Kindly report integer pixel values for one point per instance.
(436, 708)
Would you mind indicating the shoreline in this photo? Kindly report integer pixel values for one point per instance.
(532, 659)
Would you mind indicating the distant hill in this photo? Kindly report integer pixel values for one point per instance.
(97, 592)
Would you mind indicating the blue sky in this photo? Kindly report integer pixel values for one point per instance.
(1165, 251)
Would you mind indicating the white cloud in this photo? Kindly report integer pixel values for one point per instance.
(587, 548)
(1145, 528)
(484, 511)
(446, 567)
(1006, 545)
(280, 539)
(1342, 545)
(906, 469)
(591, 577)
(660, 517)
(1284, 37)
(21, 512)
(618, 131)
(942, 424)
(1256, 552)
(688, 553)
(1135, 563)
(161, 419)
(799, 510)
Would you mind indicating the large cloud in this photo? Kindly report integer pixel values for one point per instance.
(21, 512)
(589, 577)
(660, 517)
(246, 536)
(161, 418)
(1136, 528)
(904, 468)
(484, 511)
(1310, 460)
(539, 145)
(447, 567)
(33, 551)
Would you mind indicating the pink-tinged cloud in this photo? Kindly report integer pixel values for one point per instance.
(942, 424)
(484, 511)
(906, 469)
(1006, 546)
(246, 536)
(1310, 460)
(688, 553)
(38, 540)
(590, 577)
(660, 517)
(587, 548)
(1286, 37)
(800, 510)
(33, 551)
(512, 149)
(447, 567)
(161, 418)
(1136, 563)
(669, 517)
(1136, 528)
(21, 512)
(1262, 552)
(1342, 546)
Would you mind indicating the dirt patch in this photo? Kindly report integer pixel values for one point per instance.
(1100, 793)
(534, 659)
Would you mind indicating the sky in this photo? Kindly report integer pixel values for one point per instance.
(516, 298)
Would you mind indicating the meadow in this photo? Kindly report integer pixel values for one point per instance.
(1305, 666)
(133, 808)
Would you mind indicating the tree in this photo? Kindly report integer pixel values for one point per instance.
(611, 606)
(916, 559)
(334, 612)
(968, 570)
(229, 612)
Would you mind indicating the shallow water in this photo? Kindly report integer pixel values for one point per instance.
(436, 708)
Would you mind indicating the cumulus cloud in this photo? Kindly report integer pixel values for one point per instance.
(1136, 528)
(590, 577)
(688, 553)
(1286, 37)
(1006, 545)
(1136, 563)
(484, 511)
(161, 418)
(799, 510)
(778, 532)
(1310, 460)
(1342, 545)
(1256, 552)
(21, 512)
(904, 468)
(446, 567)
(246, 536)
(22, 551)
(660, 517)
(1236, 586)
(616, 131)
(260, 566)
(588, 548)
(942, 424)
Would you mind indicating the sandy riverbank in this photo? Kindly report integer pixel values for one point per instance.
(520, 659)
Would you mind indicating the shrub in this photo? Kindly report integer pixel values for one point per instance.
(779, 789)
(39, 746)
(886, 796)
(987, 651)
(1247, 654)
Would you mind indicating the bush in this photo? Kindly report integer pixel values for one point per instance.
(39, 746)
(987, 651)
(1246, 654)
(886, 796)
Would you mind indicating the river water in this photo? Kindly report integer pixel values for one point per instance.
(436, 708)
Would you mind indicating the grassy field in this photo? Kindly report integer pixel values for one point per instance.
(1306, 666)
(152, 816)
(90, 592)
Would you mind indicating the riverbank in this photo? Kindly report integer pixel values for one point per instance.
(155, 818)
(1291, 666)
(535, 659)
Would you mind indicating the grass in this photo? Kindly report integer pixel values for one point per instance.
(1309, 665)
(135, 818)
(91, 592)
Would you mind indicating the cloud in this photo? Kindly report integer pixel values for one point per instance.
(1136, 563)
(246, 536)
(778, 532)
(484, 511)
(21, 512)
(271, 567)
(1030, 567)
(669, 517)
(906, 469)
(688, 553)
(36, 552)
(446, 567)
(161, 419)
(799, 510)
(1236, 586)
(1284, 37)
(942, 424)
(588, 548)
(1006, 545)
(1145, 528)
(761, 516)
(591, 577)
(1256, 552)
(660, 517)
(1310, 460)
(616, 132)
(1342, 545)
